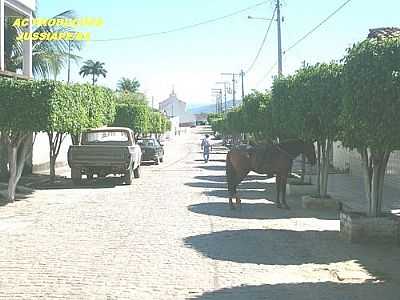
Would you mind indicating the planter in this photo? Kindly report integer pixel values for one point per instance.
(319, 203)
(300, 189)
(357, 227)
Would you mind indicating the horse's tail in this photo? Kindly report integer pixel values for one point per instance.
(231, 177)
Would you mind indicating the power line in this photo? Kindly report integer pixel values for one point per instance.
(268, 73)
(316, 27)
(144, 35)
(304, 37)
(262, 43)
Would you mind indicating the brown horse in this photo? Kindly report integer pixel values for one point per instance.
(270, 159)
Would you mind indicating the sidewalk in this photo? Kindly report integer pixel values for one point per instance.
(350, 190)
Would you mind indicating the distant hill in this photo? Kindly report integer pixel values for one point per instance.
(211, 108)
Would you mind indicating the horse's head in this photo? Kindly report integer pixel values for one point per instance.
(309, 152)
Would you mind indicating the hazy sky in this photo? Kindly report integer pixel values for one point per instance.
(192, 60)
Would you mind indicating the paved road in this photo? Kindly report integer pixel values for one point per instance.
(171, 236)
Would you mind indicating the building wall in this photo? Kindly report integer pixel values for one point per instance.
(173, 107)
(344, 159)
(41, 150)
(31, 4)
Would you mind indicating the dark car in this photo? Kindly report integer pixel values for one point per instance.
(152, 150)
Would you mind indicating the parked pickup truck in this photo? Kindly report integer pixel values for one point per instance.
(104, 151)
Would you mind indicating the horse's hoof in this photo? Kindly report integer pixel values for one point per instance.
(231, 206)
(278, 205)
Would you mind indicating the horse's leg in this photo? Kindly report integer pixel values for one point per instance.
(231, 180)
(278, 189)
(238, 201)
(283, 184)
(232, 193)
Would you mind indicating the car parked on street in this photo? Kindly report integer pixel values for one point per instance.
(152, 150)
(104, 151)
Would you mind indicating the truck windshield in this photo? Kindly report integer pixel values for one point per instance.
(106, 136)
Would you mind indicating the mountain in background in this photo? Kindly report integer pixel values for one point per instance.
(211, 108)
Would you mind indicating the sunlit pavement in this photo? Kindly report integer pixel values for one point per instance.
(171, 235)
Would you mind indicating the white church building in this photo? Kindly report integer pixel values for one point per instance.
(174, 107)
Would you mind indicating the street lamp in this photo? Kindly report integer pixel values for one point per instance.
(258, 18)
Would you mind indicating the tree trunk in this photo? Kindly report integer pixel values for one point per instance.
(325, 168)
(3, 159)
(18, 149)
(75, 138)
(55, 141)
(367, 171)
(303, 167)
(374, 166)
(12, 182)
(319, 168)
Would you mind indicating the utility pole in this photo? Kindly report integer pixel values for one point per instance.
(278, 16)
(233, 87)
(225, 83)
(242, 75)
(218, 99)
(69, 61)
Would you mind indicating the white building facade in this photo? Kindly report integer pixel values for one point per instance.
(173, 107)
(11, 9)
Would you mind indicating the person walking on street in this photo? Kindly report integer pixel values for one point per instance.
(206, 147)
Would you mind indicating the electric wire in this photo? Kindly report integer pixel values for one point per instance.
(316, 27)
(186, 27)
(262, 43)
(304, 37)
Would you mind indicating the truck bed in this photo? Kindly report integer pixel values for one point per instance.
(96, 155)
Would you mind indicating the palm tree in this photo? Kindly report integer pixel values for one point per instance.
(94, 68)
(48, 57)
(128, 85)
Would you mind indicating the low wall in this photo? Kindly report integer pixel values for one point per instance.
(41, 153)
(356, 227)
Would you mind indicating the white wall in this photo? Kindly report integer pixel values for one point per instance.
(31, 4)
(173, 107)
(41, 150)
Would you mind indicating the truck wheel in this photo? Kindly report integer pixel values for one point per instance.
(136, 172)
(161, 159)
(128, 176)
(157, 161)
(76, 176)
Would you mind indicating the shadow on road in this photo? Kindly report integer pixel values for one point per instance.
(306, 291)
(42, 182)
(221, 185)
(287, 247)
(211, 167)
(259, 211)
(222, 178)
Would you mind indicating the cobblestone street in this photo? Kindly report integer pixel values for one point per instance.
(171, 235)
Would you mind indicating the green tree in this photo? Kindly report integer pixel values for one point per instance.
(317, 92)
(134, 116)
(234, 123)
(23, 111)
(257, 118)
(73, 109)
(93, 68)
(48, 58)
(371, 87)
(286, 113)
(128, 85)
